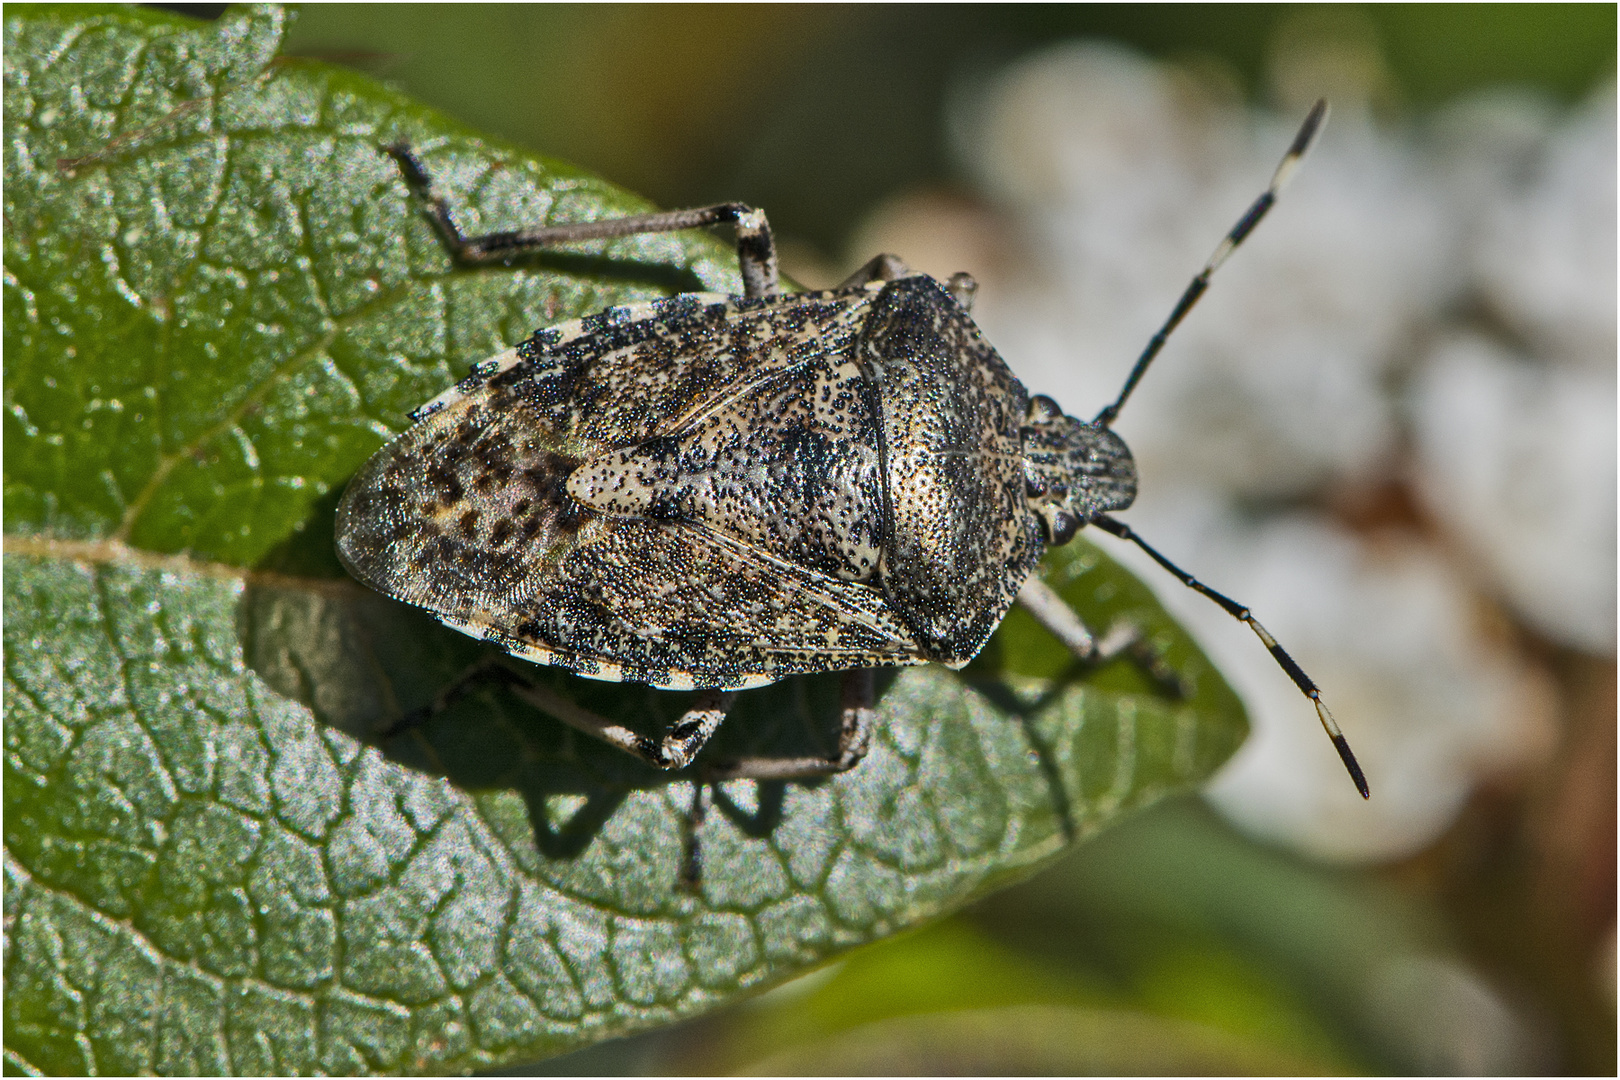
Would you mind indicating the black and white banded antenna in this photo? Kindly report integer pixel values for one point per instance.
(1308, 132)
(1240, 232)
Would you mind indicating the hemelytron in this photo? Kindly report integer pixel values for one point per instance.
(713, 492)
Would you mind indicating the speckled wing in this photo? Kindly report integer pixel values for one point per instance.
(681, 606)
(467, 514)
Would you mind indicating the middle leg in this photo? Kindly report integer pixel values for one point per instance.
(858, 692)
(676, 750)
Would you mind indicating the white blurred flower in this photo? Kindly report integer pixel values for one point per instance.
(1285, 388)
(1390, 633)
(1515, 449)
(1546, 257)
(1124, 187)
(1517, 460)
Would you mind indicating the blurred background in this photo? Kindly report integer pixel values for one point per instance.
(1389, 428)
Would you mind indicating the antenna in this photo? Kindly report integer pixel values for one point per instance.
(1278, 653)
(1308, 132)
(1285, 172)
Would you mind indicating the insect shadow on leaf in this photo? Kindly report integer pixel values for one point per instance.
(365, 664)
(602, 268)
(713, 493)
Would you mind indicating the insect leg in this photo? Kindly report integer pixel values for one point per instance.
(756, 250)
(877, 268)
(481, 672)
(1242, 614)
(963, 289)
(1240, 231)
(961, 286)
(687, 736)
(684, 739)
(682, 742)
(1048, 608)
(858, 692)
(1042, 601)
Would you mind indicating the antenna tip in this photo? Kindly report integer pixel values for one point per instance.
(1342, 745)
(1309, 129)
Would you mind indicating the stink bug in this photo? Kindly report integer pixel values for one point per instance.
(713, 492)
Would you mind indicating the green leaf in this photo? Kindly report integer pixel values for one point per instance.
(218, 302)
(1169, 925)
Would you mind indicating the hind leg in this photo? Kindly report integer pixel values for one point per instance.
(756, 250)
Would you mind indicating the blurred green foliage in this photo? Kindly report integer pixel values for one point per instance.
(1171, 942)
(818, 112)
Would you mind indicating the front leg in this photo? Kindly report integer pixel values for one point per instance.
(1049, 609)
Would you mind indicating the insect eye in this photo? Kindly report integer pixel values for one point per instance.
(1063, 526)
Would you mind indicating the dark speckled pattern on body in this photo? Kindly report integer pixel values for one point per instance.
(961, 538)
(708, 491)
(716, 492)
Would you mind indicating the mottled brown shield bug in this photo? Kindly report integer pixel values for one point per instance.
(713, 492)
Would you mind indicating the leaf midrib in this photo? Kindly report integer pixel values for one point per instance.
(114, 552)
